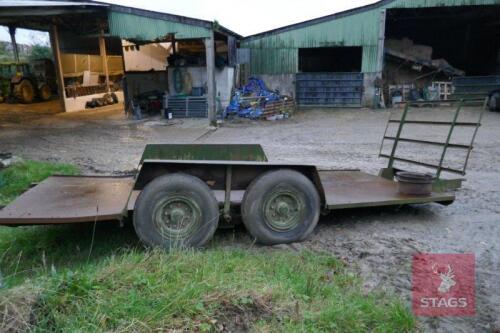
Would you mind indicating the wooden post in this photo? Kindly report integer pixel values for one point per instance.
(174, 47)
(12, 32)
(54, 41)
(104, 58)
(231, 51)
(211, 93)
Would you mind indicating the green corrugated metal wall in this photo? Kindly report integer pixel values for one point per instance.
(278, 61)
(278, 53)
(130, 26)
(355, 30)
(369, 63)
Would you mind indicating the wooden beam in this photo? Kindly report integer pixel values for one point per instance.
(104, 58)
(231, 51)
(54, 41)
(211, 93)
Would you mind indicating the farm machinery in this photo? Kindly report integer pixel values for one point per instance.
(23, 82)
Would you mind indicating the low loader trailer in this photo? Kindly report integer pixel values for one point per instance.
(181, 193)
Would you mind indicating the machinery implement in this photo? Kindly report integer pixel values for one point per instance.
(181, 193)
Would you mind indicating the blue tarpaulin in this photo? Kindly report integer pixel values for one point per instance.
(256, 91)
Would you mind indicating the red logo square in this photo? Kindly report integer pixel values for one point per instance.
(444, 285)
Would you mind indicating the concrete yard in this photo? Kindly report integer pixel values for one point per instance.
(377, 242)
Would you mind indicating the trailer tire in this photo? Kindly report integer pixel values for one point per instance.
(176, 211)
(281, 207)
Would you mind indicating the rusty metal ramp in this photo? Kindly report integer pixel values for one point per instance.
(61, 199)
(355, 189)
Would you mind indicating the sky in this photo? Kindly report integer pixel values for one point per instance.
(243, 17)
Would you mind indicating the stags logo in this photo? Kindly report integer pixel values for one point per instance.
(447, 279)
(444, 285)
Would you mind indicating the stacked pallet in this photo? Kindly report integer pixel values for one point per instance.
(274, 110)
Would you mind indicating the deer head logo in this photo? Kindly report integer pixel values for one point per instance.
(447, 279)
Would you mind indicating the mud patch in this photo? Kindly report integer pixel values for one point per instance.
(240, 314)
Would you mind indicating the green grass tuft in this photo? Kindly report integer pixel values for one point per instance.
(72, 279)
(204, 291)
(16, 179)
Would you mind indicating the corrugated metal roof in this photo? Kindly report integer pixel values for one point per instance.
(177, 19)
(35, 3)
(134, 27)
(146, 24)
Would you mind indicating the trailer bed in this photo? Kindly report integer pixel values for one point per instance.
(356, 189)
(72, 199)
(77, 199)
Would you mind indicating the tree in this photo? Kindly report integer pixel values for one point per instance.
(40, 52)
(5, 53)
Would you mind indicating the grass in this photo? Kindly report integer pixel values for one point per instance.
(240, 290)
(58, 279)
(16, 179)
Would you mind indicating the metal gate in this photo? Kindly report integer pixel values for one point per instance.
(329, 89)
(187, 107)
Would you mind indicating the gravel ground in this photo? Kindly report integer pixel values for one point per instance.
(377, 242)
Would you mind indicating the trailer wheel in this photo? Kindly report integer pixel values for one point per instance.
(176, 211)
(281, 207)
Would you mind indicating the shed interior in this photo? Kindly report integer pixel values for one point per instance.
(330, 59)
(467, 37)
(88, 62)
(171, 73)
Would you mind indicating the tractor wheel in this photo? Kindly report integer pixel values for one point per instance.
(24, 92)
(176, 211)
(281, 207)
(44, 92)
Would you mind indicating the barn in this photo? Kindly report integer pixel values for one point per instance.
(374, 54)
(145, 58)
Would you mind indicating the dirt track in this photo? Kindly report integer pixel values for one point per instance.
(379, 242)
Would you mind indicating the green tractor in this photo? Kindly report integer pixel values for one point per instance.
(22, 82)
